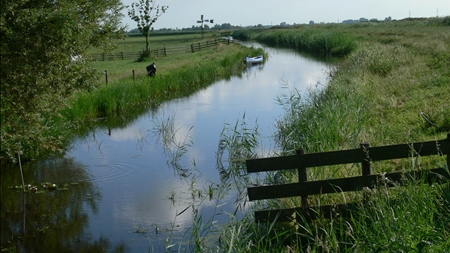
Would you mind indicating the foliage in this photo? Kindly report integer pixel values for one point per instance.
(42, 49)
(141, 13)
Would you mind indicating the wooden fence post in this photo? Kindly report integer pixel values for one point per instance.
(165, 51)
(303, 177)
(192, 47)
(134, 76)
(448, 151)
(366, 170)
(122, 55)
(103, 56)
(106, 76)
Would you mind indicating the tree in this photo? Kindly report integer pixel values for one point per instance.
(40, 40)
(141, 13)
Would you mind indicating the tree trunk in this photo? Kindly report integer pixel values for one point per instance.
(146, 43)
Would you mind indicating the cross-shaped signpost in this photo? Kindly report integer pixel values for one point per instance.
(203, 21)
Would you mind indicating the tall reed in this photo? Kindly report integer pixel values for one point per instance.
(318, 42)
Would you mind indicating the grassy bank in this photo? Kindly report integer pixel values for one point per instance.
(124, 98)
(393, 87)
(177, 76)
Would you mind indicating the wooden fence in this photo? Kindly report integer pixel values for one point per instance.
(194, 47)
(115, 56)
(364, 155)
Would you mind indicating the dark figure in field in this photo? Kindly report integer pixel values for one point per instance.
(151, 70)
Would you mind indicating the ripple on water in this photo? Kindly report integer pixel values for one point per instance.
(111, 172)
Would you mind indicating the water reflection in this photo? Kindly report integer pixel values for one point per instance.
(59, 217)
(144, 180)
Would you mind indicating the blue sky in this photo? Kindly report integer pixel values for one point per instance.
(185, 13)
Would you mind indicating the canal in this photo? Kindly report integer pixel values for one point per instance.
(143, 187)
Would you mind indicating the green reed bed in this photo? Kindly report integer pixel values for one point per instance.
(319, 42)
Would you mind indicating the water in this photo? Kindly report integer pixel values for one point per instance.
(130, 189)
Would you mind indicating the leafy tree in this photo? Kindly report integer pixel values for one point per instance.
(43, 62)
(142, 13)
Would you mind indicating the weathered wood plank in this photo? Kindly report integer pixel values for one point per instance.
(348, 156)
(341, 184)
(305, 160)
(272, 163)
(439, 175)
(332, 158)
(405, 150)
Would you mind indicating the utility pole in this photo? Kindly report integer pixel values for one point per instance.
(203, 21)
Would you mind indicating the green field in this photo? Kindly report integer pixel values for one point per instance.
(136, 42)
(119, 69)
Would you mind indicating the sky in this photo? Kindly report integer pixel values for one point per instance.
(185, 13)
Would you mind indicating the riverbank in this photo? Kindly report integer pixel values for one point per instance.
(178, 75)
(393, 87)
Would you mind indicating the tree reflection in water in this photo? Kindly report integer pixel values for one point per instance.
(50, 220)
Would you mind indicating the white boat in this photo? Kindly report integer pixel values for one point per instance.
(254, 60)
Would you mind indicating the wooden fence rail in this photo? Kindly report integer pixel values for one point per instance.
(194, 47)
(364, 156)
(115, 56)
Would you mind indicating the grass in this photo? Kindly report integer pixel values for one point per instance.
(177, 75)
(377, 93)
(123, 69)
(136, 42)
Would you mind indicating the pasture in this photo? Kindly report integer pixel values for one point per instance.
(119, 69)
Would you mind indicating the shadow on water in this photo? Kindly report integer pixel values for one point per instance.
(54, 209)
